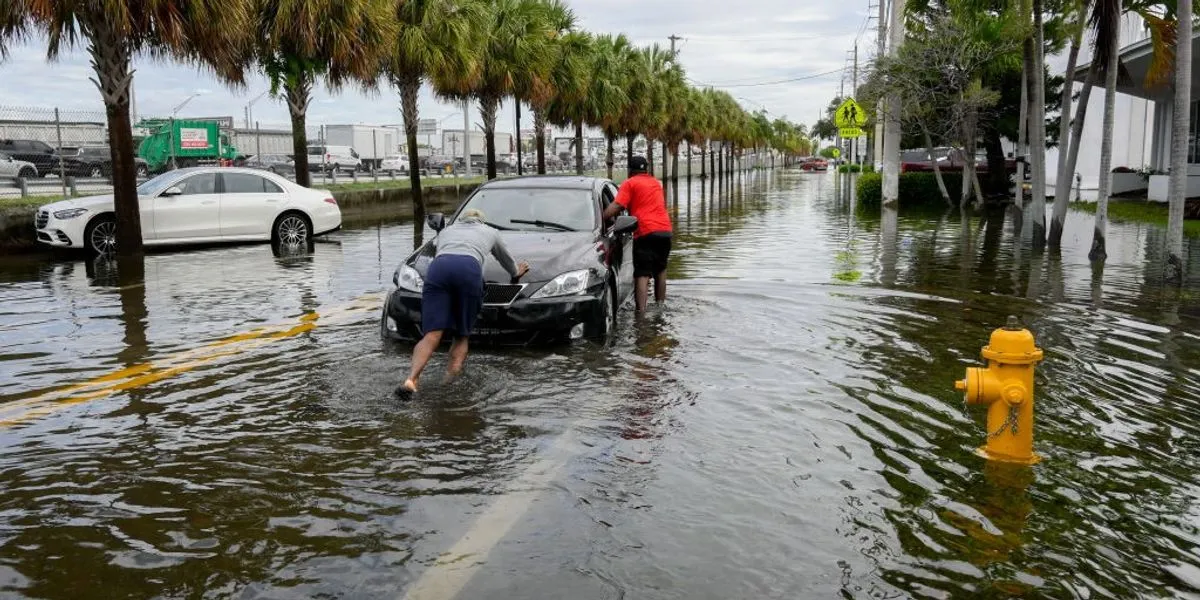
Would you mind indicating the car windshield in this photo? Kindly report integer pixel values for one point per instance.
(156, 185)
(517, 208)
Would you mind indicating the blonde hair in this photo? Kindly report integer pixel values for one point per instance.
(473, 214)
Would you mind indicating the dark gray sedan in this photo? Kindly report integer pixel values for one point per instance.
(280, 164)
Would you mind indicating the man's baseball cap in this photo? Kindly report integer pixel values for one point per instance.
(638, 163)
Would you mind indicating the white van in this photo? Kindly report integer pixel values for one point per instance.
(333, 158)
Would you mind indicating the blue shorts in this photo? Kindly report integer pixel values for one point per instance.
(453, 294)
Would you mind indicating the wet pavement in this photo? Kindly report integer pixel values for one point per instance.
(222, 425)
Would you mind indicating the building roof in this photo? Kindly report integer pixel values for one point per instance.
(1136, 58)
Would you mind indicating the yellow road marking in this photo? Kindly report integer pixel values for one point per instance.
(54, 400)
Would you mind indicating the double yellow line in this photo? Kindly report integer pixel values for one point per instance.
(54, 400)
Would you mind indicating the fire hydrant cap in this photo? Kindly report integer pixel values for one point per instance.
(1013, 346)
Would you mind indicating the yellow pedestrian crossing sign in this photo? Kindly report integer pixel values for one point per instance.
(850, 115)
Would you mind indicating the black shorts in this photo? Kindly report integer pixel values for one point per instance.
(650, 254)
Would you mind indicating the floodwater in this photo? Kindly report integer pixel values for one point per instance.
(221, 425)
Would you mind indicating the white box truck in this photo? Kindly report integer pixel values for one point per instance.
(372, 143)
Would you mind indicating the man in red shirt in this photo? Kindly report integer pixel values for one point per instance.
(642, 196)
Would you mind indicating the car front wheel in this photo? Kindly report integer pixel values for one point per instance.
(100, 236)
(606, 324)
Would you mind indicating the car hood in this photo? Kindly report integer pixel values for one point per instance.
(549, 254)
(89, 202)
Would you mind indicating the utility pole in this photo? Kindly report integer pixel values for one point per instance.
(854, 92)
(881, 43)
(891, 126)
(674, 38)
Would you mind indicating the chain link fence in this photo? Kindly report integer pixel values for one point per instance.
(46, 151)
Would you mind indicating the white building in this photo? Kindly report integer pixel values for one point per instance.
(1141, 135)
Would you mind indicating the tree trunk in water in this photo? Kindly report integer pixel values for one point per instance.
(1022, 140)
(703, 162)
(675, 166)
(937, 171)
(1080, 115)
(298, 98)
(609, 158)
(1099, 253)
(1037, 123)
(487, 111)
(539, 136)
(650, 155)
(1062, 181)
(410, 88)
(997, 185)
(689, 161)
(111, 62)
(579, 148)
(666, 171)
(1177, 190)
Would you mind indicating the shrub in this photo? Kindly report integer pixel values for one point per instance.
(916, 189)
(849, 168)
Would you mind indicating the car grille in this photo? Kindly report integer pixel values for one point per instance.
(43, 217)
(501, 293)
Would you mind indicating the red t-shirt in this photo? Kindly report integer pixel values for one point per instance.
(642, 196)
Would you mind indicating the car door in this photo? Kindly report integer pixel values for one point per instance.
(249, 204)
(621, 255)
(193, 213)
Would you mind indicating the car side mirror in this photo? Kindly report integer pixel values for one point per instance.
(172, 191)
(437, 221)
(624, 224)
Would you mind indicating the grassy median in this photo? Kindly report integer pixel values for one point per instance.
(1139, 211)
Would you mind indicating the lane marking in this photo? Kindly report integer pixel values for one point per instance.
(447, 577)
(54, 400)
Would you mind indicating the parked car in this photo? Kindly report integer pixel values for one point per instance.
(94, 161)
(198, 205)
(333, 158)
(439, 162)
(11, 168)
(39, 153)
(814, 164)
(948, 159)
(580, 268)
(275, 163)
(394, 164)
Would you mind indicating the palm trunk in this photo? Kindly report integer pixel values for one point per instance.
(539, 136)
(675, 165)
(1177, 190)
(487, 111)
(520, 166)
(579, 148)
(1098, 252)
(703, 163)
(629, 138)
(937, 170)
(667, 173)
(609, 158)
(298, 97)
(650, 154)
(712, 160)
(1037, 123)
(410, 88)
(1062, 182)
(1085, 96)
(1022, 140)
(689, 161)
(111, 62)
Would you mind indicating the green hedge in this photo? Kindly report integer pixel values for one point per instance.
(915, 188)
(849, 168)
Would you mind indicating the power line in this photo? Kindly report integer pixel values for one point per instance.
(776, 82)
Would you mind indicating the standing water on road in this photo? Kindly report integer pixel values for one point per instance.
(222, 425)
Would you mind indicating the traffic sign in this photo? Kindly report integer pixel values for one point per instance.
(850, 115)
(850, 132)
(836, 153)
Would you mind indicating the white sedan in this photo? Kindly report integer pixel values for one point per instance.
(201, 205)
(394, 164)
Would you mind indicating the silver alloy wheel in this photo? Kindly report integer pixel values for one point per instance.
(292, 231)
(104, 237)
(610, 315)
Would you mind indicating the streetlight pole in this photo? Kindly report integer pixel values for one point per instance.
(467, 136)
(250, 108)
(175, 111)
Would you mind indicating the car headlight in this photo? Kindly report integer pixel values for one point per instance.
(407, 278)
(567, 284)
(70, 213)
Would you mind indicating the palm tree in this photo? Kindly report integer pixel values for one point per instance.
(1177, 186)
(1106, 19)
(203, 32)
(1077, 15)
(518, 55)
(1036, 61)
(567, 75)
(299, 41)
(611, 74)
(435, 40)
(571, 81)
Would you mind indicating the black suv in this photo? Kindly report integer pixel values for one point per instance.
(40, 154)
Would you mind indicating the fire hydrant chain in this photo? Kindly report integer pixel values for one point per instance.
(1009, 423)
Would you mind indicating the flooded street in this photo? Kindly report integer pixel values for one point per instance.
(223, 425)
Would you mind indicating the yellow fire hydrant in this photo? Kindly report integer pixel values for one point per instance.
(1006, 387)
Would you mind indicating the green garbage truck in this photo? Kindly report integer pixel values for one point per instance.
(178, 143)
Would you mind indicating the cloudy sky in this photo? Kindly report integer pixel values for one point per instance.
(746, 48)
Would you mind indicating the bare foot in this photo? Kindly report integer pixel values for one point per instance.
(451, 376)
(406, 391)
